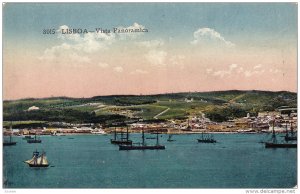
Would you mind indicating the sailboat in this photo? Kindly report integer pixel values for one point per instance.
(207, 139)
(10, 143)
(292, 137)
(38, 160)
(35, 140)
(143, 146)
(170, 138)
(122, 140)
(274, 144)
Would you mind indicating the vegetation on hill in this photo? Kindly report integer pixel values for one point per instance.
(218, 106)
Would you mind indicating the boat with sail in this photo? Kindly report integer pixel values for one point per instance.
(273, 143)
(122, 140)
(207, 138)
(170, 138)
(38, 160)
(10, 142)
(143, 145)
(35, 140)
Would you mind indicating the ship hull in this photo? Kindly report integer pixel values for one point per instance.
(34, 141)
(206, 141)
(40, 165)
(156, 147)
(9, 143)
(277, 145)
(129, 142)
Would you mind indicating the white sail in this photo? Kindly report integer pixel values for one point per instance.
(45, 161)
(29, 161)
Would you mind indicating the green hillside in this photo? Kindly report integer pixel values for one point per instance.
(218, 106)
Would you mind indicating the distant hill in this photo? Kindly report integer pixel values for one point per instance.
(217, 105)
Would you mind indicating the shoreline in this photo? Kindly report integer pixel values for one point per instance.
(185, 133)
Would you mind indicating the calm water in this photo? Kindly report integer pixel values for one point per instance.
(90, 161)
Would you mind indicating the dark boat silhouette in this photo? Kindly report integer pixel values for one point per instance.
(122, 140)
(38, 160)
(10, 142)
(170, 138)
(207, 139)
(35, 140)
(275, 144)
(143, 146)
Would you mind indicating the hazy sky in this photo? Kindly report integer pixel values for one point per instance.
(188, 47)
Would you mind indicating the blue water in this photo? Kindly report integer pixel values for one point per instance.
(90, 161)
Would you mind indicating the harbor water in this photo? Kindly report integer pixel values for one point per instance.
(90, 161)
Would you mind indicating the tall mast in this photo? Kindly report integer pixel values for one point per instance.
(157, 137)
(292, 132)
(121, 134)
(115, 135)
(10, 131)
(286, 129)
(273, 133)
(143, 137)
(127, 135)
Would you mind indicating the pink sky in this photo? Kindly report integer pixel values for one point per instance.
(85, 66)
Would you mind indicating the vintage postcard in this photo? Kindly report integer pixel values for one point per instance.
(150, 95)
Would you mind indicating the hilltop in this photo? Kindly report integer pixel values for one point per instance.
(218, 106)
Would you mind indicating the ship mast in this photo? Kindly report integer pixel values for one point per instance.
(127, 135)
(292, 131)
(143, 137)
(10, 131)
(286, 129)
(115, 135)
(122, 134)
(157, 137)
(273, 133)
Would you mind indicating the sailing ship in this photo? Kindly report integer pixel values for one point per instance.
(274, 143)
(207, 139)
(122, 140)
(10, 142)
(143, 146)
(291, 137)
(38, 160)
(35, 140)
(170, 138)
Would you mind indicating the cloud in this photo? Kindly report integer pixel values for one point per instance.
(177, 60)
(233, 66)
(102, 65)
(257, 66)
(78, 58)
(157, 57)
(77, 47)
(223, 73)
(139, 71)
(209, 70)
(133, 35)
(118, 69)
(151, 43)
(235, 69)
(210, 37)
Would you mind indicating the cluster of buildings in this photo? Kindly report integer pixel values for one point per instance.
(263, 122)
